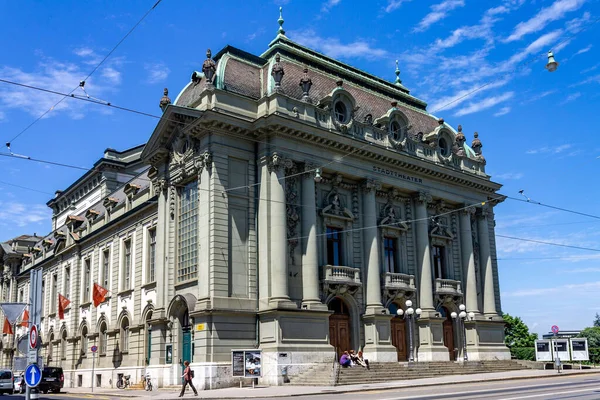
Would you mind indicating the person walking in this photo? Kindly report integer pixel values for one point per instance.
(187, 376)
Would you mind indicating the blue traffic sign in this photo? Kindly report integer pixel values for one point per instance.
(33, 375)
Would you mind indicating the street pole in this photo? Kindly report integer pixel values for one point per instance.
(556, 357)
(93, 365)
(410, 339)
(466, 358)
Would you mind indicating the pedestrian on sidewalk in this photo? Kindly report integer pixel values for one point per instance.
(187, 376)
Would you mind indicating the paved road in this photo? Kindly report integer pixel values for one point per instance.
(571, 387)
(580, 387)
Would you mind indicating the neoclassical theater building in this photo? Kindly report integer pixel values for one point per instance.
(286, 202)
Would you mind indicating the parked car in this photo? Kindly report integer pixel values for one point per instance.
(19, 385)
(6, 381)
(53, 380)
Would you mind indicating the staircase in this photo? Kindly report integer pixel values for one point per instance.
(315, 375)
(385, 372)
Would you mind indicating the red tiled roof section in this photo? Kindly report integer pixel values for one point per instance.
(242, 78)
(369, 103)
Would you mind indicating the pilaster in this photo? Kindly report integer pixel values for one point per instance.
(468, 259)
(489, 296)
(424, 252)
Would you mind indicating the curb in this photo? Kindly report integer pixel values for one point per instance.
(334, 391)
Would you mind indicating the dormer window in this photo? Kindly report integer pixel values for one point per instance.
(340, 112)
(444, 147)
(396, 130)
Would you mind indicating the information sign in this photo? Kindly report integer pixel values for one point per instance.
(33, 336)
(237, 363)
(247, 363)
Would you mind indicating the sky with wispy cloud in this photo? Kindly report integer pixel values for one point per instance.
(476, 63)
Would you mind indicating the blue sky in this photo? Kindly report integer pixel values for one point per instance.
(536, 127)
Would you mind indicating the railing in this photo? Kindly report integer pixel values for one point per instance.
(448, 286)
(338, 273)
(400, 281)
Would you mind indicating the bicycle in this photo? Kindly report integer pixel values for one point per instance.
(123, 382)
(148, 382)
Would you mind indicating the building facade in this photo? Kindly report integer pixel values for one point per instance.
(285, 202)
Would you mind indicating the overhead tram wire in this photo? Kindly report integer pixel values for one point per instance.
(316, 168)
(24, 187)
(548, 243)
(537, 203)
(88, 75)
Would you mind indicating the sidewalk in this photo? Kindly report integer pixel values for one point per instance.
(290, 391)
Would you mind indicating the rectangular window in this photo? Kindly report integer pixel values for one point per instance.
(67, 288)
(105, 268)
(87, 270)
(127, 265)
(43, 297)
(389, 251)
(21, 296)
(187, 267)
(334, 246)
(439, 262)
(151, 255)
(54, 299)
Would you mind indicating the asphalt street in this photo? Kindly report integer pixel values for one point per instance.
(579, 387)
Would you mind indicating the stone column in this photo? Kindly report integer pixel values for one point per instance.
(423, 252)
(468, 259)
(489, 296)
(278, 231)
(310, 254)
(371, 244)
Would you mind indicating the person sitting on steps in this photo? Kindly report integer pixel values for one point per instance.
(345, 360)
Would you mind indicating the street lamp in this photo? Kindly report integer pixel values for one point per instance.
(411, 315)
(552, 64)
(460, 321)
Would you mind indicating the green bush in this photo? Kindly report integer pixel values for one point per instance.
(523, 353)
(594, 355)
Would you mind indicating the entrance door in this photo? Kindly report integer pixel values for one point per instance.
(449, 337)
(399, 338)
(339, 333)
(186, 350)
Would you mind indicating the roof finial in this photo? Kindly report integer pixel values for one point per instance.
(398, 81)
(280, 21)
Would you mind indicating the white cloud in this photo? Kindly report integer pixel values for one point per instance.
(329, 4)
(540, 43)
(539, 96)
(576, 24)
(157, 72)
(484, 104)
(394, 5)
(578, 287)
(509, 175)
(19, 214)
(590, 69)
(502, 111)
(453, 101)
(571, 97)
(336, 49)
(57, 76)
(255, 34)
(438, 12)
(550, 150)
(554, 12)
(2, 115)
(584, 50)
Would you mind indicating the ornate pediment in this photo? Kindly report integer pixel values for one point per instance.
(439, 229)
(335, 208)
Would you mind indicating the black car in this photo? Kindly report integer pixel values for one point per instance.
(53, 380)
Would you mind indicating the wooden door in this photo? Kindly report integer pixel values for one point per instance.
(399, 338)
(339, 333)
(449, 338)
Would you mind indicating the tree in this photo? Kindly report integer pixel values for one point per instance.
(593, 336)
(597, 321)
(516, 333)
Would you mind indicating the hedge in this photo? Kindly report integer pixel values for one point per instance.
(523, 353)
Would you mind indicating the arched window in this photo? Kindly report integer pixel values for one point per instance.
(340, 111)
(84, 340)
(63, 345)
(148, 344)
(103, 338)
(395, 130)
(50, 347)
(125, 335)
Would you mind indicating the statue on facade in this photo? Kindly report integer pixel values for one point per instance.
(209, 68)
(277, 73)
(165, 100)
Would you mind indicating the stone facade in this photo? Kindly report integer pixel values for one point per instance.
(286, 202)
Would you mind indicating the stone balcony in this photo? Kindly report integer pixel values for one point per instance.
(396, 285)
(340, 279)
(448, 289)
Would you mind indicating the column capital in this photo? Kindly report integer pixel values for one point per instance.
(468, 210)
(423, 197)
(275, 162)
(310, 170)
(370, 185)
(202, 161)
(484, 211)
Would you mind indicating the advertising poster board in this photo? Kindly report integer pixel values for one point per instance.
(561, 346)
(542, 350)
(246, 363)
(579, 349)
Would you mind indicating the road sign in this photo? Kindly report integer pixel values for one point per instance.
(33, 336)
(555, 329)
(32, 356)
(94, 349)
(33, 375)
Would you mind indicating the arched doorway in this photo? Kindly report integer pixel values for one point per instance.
(179, 311)
(448, 330)
(399, 333)
(339, 326)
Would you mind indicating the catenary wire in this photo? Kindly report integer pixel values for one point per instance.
(89, 75)
(23, 187)
(328, 163)
(548, 243)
